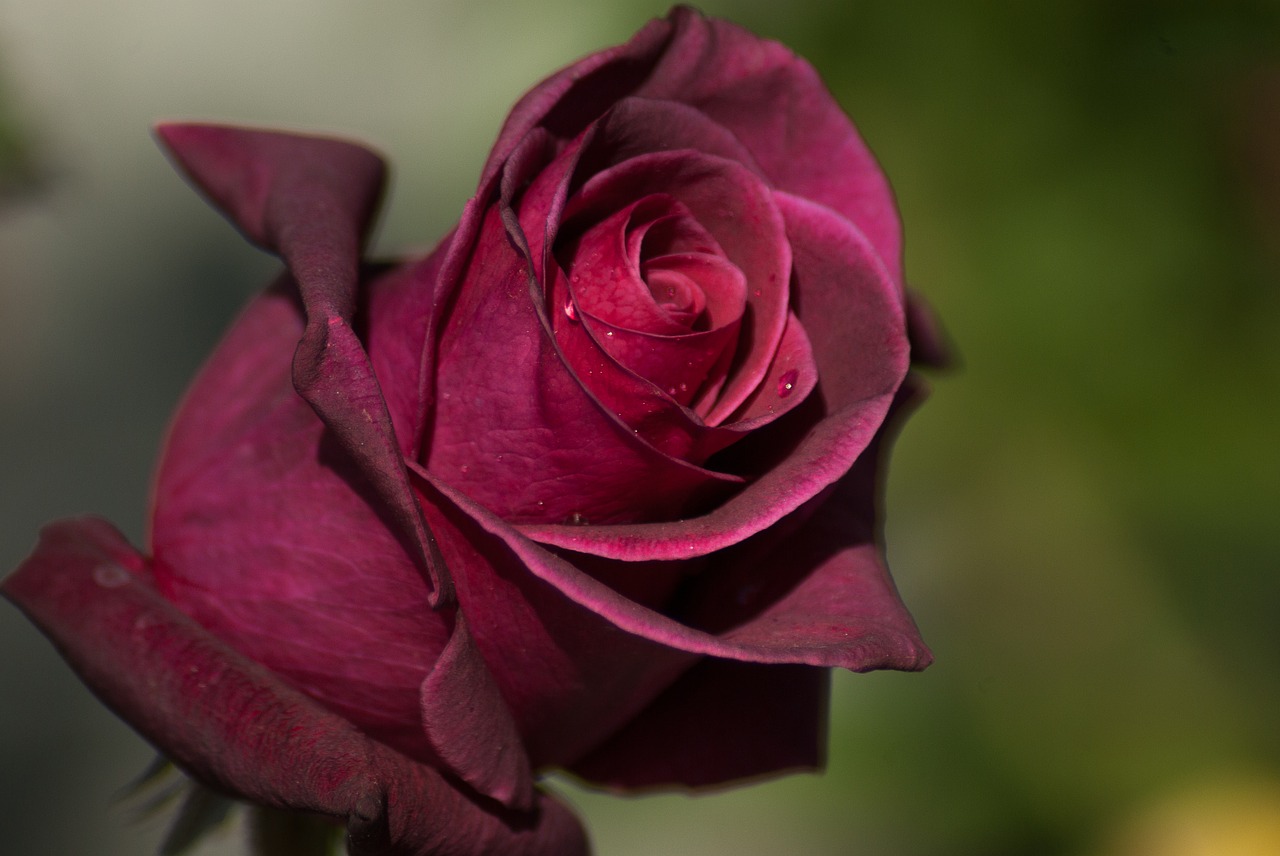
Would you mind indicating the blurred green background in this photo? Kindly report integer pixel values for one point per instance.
(1083, 518)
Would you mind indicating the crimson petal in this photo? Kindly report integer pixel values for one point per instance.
(853, 316)
(737, 208)
(312, 200)
(776, 104)
(237, 727)
(516, 429)
(843, 612)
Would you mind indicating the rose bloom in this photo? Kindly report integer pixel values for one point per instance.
(593, 486)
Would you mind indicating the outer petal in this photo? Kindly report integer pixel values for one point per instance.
(260, 533)
(722, 721)
(572, 98)
(833, 603)
(779, 108)
(311, 200)
(818, 575)
(571, 676)
(234, 725)
(772, 100)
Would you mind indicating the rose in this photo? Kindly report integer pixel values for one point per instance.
(592, 485)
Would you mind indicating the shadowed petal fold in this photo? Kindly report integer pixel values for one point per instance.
(235, 726)
(312, 200)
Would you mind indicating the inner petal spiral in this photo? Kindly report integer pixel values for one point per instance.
(657, 293)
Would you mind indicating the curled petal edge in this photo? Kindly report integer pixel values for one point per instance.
(237, 727)
(312, 200)
(866, 629)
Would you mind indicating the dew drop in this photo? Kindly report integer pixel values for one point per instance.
(570, 311)
(576, 519)
(111, 576)
(465, 469)
(787, 382)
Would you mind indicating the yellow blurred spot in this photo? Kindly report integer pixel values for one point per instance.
(1234, 818)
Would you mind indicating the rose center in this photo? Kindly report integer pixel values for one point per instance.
(653, 268)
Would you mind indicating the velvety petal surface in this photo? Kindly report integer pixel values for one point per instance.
(312, 200)
(836, 604)
(775, 103)
(517, 430)
(737, 209)
(570, 676)
(853, 320)
(259, 532)
(758, 90)
(234, 725)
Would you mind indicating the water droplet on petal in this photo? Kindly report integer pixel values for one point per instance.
(576, 519)
(465, 469)
(111, 576)
(787, 382)
(570, 310)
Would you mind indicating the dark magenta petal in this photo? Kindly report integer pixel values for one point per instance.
(615, 276)
(705, 287)
(311, 200)
(853, 317)
(722, 721)
(467, 722)
(262, 532)
(543, 172)
(570, 677)
(843, 610)
(757, 90)
(775, 103)
(599, 356)
(818, 573)
(235, 726)
(516, 429)
(790, 378)
(735, 206)
(398, 313)
(574, 97)
(681, 366)
(607, 305)
(259, 534)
